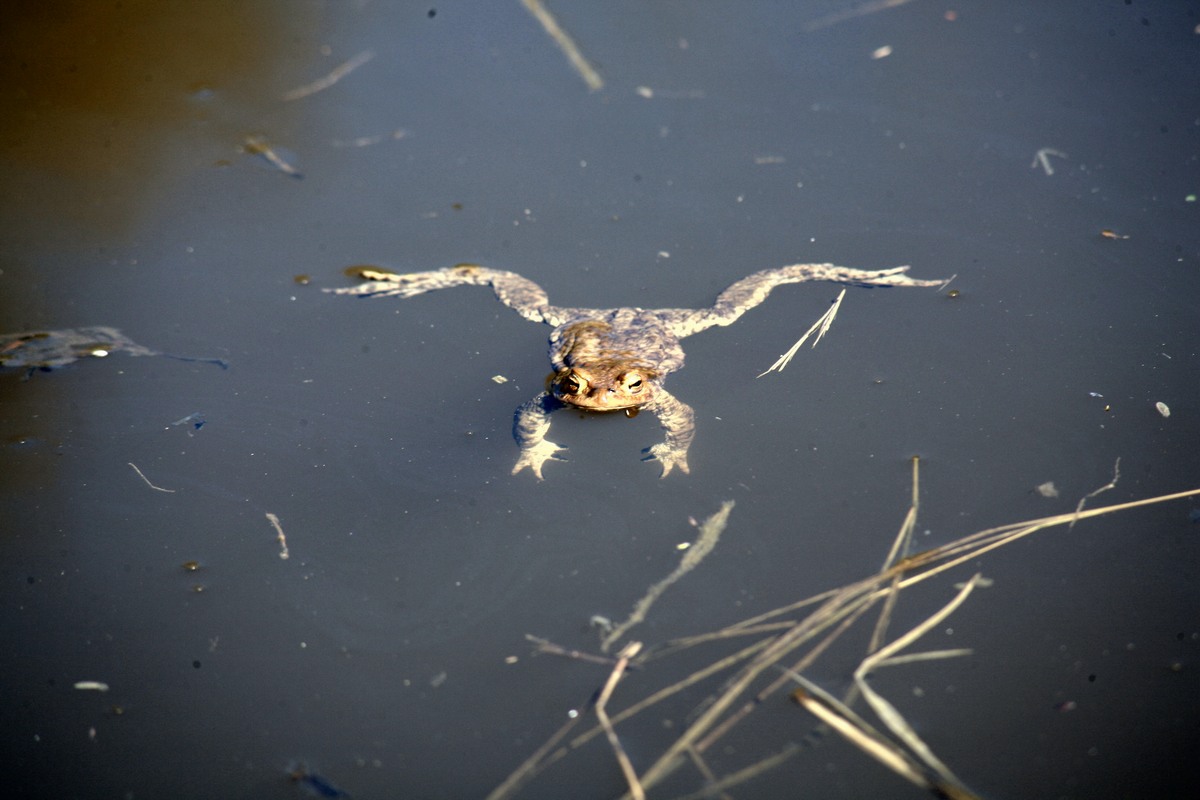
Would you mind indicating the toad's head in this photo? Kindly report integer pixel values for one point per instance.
(608, 386)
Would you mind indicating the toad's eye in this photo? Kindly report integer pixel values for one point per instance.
(575, 384)
(633, 383)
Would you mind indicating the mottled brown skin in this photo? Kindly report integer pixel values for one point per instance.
(612, 359)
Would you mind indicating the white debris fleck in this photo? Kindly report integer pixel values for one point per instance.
(499, 379)
(1162, 408)
(95, 686)
(1048, 489)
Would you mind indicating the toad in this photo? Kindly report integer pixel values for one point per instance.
(616, 359)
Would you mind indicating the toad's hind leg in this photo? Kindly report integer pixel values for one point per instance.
(753, 290)
(518, 293)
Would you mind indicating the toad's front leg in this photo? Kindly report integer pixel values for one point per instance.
(530, 426)
(679, 422)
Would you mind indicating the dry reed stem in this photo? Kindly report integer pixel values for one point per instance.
(630, 650)
(821, 327)
(837, 607)
(338, 72)
(1110, 485)
(142, 475)
(885, 710)
(745, 773)
(534, 764)
(840, 718)
(565, 43)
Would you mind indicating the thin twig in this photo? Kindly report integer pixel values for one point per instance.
(675, 688)
(630, 650)
(549, 648)
(339, 72)
(532, 765)
(274, 520)
(885, 710)
(566, 44)
(821, 326)
(859, 11)
(1110, 485)
(147, 480)
(258, 146)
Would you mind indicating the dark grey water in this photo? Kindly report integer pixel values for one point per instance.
(387, 654)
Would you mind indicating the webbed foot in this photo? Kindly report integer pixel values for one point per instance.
(534, 456)
(670, 457)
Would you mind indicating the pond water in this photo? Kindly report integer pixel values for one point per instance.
(192, 175)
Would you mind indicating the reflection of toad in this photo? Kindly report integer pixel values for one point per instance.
(613, 359)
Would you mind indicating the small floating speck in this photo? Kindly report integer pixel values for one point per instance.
(499, 379)
(93, 686)
(1162, 408)
(1048, 489)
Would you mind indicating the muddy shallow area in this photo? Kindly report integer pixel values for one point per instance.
(192, 175)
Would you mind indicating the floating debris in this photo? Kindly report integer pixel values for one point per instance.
(565, 43)
(258, 146)
(195, 418)
(283, 548)
(367, 141)
(1042, 158)
(1111, 234)
(339, 72)
(47, 350)
(499, 379)
(858, 11)
(91, 686)
(1047, 489)
(688, 94)
(1162, 408)
(142, 475)
(317, 785)
(820, 327)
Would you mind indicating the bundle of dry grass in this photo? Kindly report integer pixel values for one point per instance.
(784, 645)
